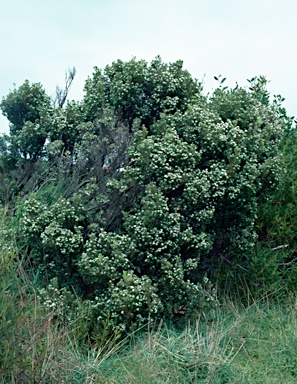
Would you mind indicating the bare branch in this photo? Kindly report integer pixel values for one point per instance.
(61, 94)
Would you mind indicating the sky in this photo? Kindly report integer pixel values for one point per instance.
(238, 39)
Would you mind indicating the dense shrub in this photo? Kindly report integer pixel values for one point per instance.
(156, 188)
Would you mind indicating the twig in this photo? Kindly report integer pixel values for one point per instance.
(280, 247)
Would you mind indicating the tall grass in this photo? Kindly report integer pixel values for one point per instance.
(234, 344)
(231, 344)
(33, 349)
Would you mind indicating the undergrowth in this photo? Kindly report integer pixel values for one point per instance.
(234, 343)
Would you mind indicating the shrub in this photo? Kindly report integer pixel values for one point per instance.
(159, 189)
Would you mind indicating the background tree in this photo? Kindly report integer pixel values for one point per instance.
(27, 109)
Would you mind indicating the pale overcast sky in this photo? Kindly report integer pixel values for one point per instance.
(236, 38)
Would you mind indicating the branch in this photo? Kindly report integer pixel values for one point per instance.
(61, 94)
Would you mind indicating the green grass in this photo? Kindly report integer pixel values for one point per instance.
(256, 344)
(231, 344)
(265, 336)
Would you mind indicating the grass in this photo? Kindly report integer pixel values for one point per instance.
(265, 336)
(254, 344)
(33, 349)
(231, 344)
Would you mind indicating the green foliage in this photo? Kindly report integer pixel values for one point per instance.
(66, 125)
(105, 258)
(149, 266)
(277, 217)
(167, 251)
(128, 304)
(137, 90)
(213, 172)
(27, 103)
(273, 262)
(53, 237)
